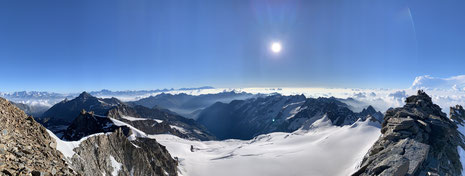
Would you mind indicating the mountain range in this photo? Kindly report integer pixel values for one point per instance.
(303, 136)
(245, 119)
(63, 113)
(190, 105)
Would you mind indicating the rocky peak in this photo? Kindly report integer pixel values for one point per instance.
(159, 121)
(114, 154)
(88, 123)
(84, 95)
(417, 139)
(63, 113)
(457, 114)
(25, 146)
(369, 110)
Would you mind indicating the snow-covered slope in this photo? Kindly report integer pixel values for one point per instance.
(114, 153)
(324, 149)
(67, 147)
(245, 119)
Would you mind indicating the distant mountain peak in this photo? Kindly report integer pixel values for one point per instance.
(369, 109)
(84, 95)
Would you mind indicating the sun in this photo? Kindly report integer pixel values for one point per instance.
(276, 47)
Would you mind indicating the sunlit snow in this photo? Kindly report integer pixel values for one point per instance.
(323, 150)
(116, 166)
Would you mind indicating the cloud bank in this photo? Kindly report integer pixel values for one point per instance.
(431, 83)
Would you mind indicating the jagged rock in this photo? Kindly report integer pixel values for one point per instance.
(25, 146)
(114, 154)
(246, 119)
(370, 111)
(62, 114)
(88, 123)
(457, 114)
(160, 121)
(417, 139)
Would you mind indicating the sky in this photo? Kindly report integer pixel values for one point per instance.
(70, 46)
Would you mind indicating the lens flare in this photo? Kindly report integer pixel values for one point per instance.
(276, 47)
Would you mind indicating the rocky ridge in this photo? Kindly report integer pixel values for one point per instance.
(25, 146)
(417, 139)
(335, 110)
(115, 154)
(160, 121)
(63, 113)
(88, 123)
(245, 119)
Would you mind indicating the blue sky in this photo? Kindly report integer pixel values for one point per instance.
(69, 46)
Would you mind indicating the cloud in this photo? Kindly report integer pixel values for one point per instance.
(431, 83)
(360, 95)
(398, 94)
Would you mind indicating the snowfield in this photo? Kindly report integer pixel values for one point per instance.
(130, 118)
(321, 150)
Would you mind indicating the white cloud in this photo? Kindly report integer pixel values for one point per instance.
(398, 95)
(431, 83)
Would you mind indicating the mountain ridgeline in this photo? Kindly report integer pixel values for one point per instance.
(27, 148)
(86, 115)
(189, 105)
(110, 137)
(62, 114)
(245, 119)
(160, 121)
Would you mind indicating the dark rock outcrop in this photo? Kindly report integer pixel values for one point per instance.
(26, 148)
(62, 114)
(372, 112)
(160, 121)
(88, 123)
(457, 114)
(417, 139)
(115, 154)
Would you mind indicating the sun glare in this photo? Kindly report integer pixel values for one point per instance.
(276, 47)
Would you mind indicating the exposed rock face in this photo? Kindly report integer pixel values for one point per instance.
(88, 123)
(457, 114)
(62, 114)
(25, 146)
(160, 121)
(372, 112)
(114, 154)
(245, 119)
(337, 111)
(417, 139)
